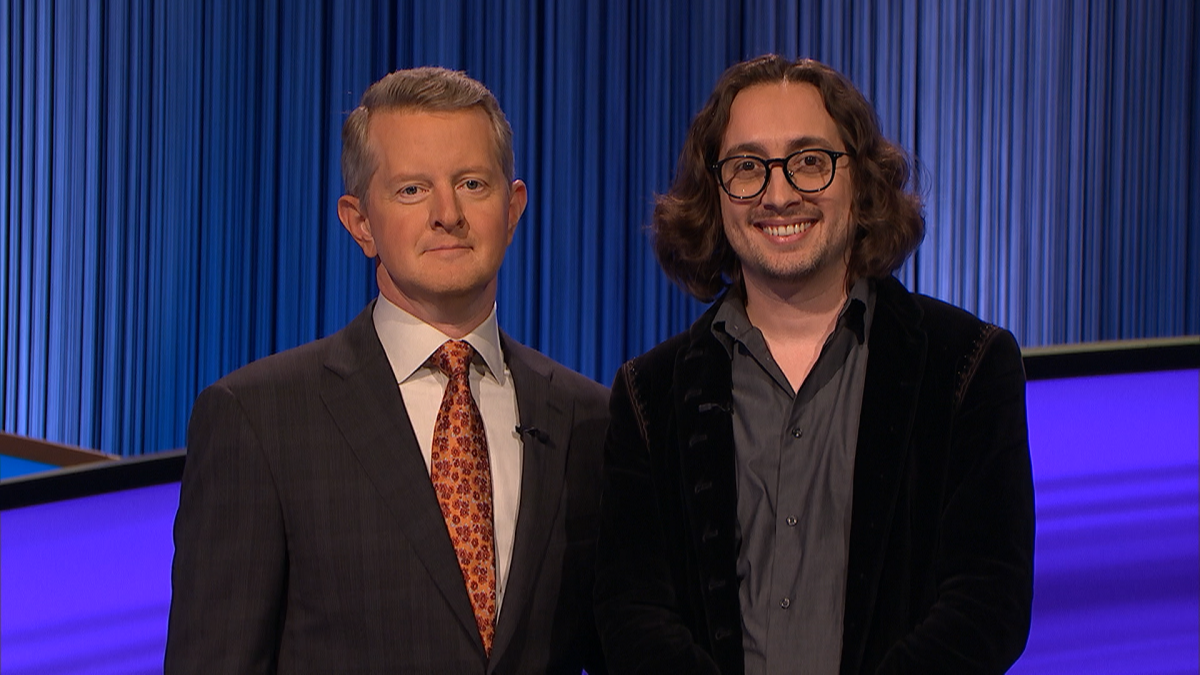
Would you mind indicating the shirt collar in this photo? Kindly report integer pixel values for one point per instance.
(409, 341)
(731, 322)
(855, 314)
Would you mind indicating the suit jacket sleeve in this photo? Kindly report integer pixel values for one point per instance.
(229, 573)
(983, 562)
(637, 610)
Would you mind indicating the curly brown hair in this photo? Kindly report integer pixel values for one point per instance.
(689, 237)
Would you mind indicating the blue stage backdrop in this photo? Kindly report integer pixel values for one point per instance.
(168, 173)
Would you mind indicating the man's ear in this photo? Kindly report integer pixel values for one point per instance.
(518, 198)
(353, 214)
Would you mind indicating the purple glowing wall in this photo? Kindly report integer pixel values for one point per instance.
(1118, 555)
(86, 582)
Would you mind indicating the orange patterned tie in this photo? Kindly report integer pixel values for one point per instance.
(462, 479)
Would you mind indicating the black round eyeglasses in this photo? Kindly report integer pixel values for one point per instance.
(807, 170)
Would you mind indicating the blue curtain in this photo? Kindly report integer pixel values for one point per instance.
(168, 173)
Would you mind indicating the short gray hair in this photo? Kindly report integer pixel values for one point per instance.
(428, 88)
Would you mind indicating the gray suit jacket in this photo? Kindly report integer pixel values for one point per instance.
(309, 538)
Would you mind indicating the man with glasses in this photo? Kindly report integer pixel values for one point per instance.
(826, 473)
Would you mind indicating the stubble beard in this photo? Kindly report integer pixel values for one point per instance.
(794, 268)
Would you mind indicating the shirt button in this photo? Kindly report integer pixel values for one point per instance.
(797, 432)
(785, 603)
(791, 521)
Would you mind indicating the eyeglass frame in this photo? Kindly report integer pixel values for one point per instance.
(834, 156)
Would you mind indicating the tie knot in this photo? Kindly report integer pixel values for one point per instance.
(453, 357)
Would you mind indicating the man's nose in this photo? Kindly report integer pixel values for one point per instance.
(779, 191)
(447, 211)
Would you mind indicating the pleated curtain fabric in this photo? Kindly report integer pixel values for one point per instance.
(169, 173)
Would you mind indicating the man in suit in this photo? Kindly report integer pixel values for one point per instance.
(826, 473)
(417, 493)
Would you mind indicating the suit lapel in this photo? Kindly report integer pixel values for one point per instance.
(893, 381)
(361, 394)
(708, 473)
(546, 411)
(707, 460)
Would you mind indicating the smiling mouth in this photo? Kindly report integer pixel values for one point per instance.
(788, 229)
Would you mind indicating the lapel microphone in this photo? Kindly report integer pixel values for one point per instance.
(532, 432)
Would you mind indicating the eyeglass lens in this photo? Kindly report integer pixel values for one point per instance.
(808, 171)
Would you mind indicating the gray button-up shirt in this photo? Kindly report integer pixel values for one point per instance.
(795, 464)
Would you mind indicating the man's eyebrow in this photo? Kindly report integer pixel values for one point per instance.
(398, 177)
(746, 149)
(406, 175)
(475, 169)
(805, 142)
(755, 148)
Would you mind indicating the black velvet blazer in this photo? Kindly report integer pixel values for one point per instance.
(940, 571)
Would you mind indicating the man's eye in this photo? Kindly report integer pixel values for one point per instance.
(410, 190)
(745, 166)
(811, 163)
(473, 184)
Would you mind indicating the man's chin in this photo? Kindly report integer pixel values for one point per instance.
(453, 286)
(784, 279)
(787, 272)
